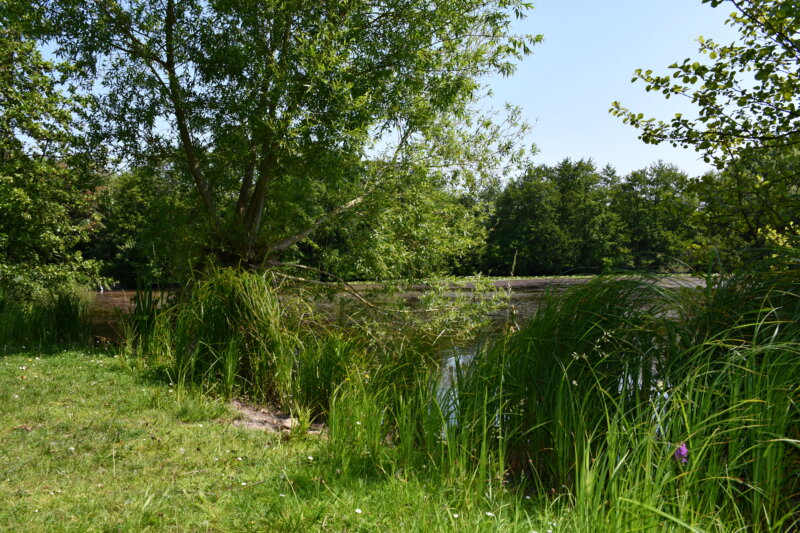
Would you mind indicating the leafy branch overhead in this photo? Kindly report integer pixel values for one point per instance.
(285, 115)
(746, 92)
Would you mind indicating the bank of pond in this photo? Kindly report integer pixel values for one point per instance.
(622, 403)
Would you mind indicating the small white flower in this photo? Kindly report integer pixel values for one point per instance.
(238, 458)
(358, 423)
(244, 484)
(72, 448)
(455, 515)
(310, 458)
(358, 511)
(489, 513)
(170, 391)
(282, 495)
(574, 383)
(36, 510)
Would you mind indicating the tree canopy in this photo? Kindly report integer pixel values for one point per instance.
(287, 114)
(47, 181)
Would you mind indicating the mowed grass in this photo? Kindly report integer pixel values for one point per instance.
(88, 445)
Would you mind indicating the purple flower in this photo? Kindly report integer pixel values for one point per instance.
(682, 453)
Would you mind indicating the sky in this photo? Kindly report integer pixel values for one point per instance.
(591, 49)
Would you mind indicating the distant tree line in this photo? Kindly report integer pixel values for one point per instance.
(573, 218)
(569, 218)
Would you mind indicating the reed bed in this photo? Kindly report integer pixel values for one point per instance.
(621, 405)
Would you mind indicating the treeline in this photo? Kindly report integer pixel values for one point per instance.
(573, 218)
(569, 218)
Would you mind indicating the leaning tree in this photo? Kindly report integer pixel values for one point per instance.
(286, 114)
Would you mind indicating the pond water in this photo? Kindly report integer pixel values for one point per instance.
(107, 308)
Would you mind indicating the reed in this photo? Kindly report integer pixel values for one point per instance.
(598, 397)
(55, 318)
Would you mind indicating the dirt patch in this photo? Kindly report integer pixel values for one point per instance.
(265, 419)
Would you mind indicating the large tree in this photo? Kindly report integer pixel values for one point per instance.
(287, 114)
(656, 208)
(555, 220)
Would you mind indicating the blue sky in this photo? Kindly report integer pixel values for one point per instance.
(591, 48)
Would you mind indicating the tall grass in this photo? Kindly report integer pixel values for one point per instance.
(583, 408)
(54, 318)
(597, 392)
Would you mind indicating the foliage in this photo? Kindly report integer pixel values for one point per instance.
(288, 115)
(420, 232)
(656, 207)
(573, 218)
(751, 195)
(550, 220)
(148, 228)
(47, 180)
(747, 93)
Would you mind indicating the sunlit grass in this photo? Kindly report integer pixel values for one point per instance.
(86, 445)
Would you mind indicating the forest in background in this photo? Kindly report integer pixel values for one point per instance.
(132, 152)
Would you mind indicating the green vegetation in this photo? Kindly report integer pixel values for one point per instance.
(583, 417)
(577, 219)
(51, 319)
(254, 154)
(47, 206)
(747, 121)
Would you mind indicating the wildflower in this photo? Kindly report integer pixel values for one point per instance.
(574, 383)
(455, 515)
(489, 513)
(358, 511)
(682, 453)
(310, 458)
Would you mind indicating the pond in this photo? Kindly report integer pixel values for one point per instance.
(107, 308)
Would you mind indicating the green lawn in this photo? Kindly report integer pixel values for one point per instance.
(87, 445)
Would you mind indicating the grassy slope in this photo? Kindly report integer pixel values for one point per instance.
(88, 446)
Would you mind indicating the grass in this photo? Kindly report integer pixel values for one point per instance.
(570, 423)
(87, 445)
(54, 318)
